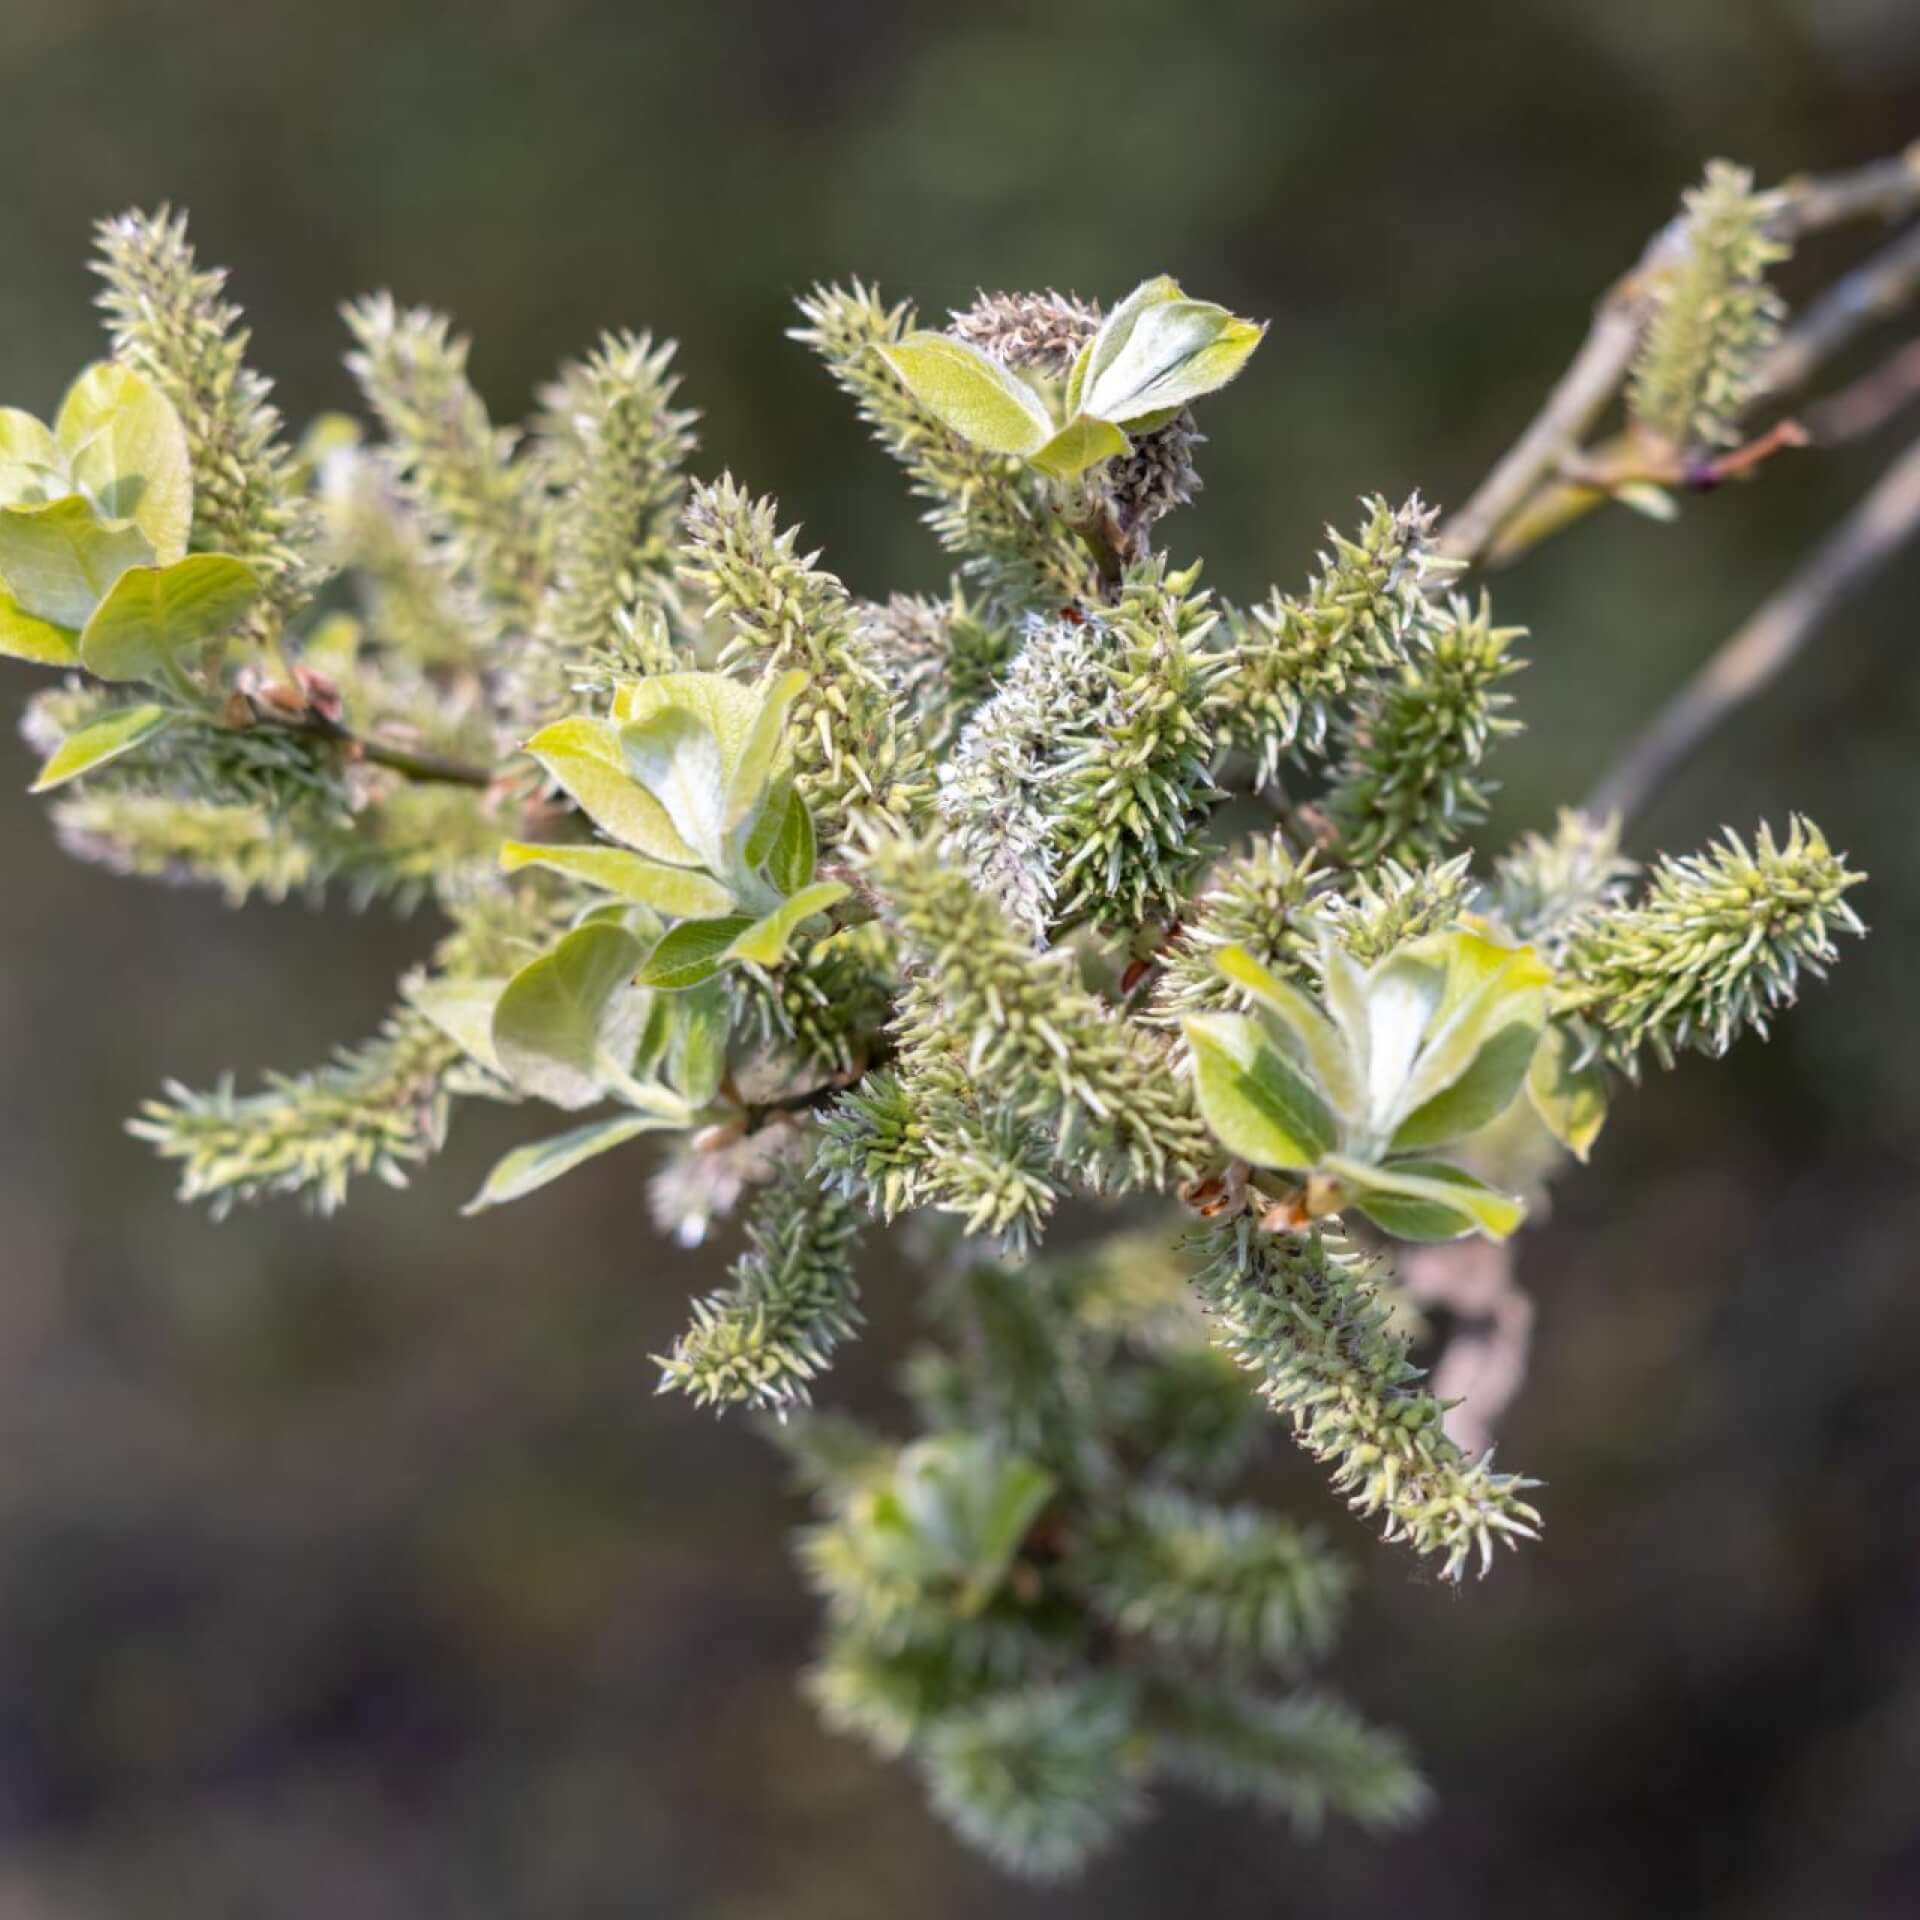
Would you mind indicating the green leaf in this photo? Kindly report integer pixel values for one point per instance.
(22, 637)
(1571, 1100)
(58, 561)
(531, 1167)
(1082, 443)
(1101, 351)
(1259, 1106)
(128, 453)
(790, 860)
(584, 758)
(755, 769)
(970, 393)
(463, 1011)
(1306, 1034)
(1403, 995)
(699, 1025)
(153, 615)
(729, 709)
(91, 747)
(1488, 988)
(1175, 351)
(693, 951)
(560, 1027)
(764, 943)
(33, 469)
(680, 891)
(1426, 1199)
(1481, 1094)
(673, 754)
(1646, 498)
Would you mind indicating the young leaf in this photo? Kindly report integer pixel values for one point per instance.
(90, 747)
(673, 754)
(58, 561)
(681, 891)
(970, 393)
(1305, 1032)
(764, 943)
(791, 858)
(759, 761)
(1082, 443)
(1488, 988)
(22, 637)
(1175, 351)
(1426, 1199)
(698, 1026)
(527, 1168)
(729, 709)
(552, 1030)
(153, 615)
(1480, 1095)
(583, 756)
(463, 1011)
(693, 951)
(1260, 1107)
(33, 469)
(1101, 351)
(128, 453)
(1571, 1100)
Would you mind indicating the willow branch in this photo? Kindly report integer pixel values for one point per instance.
(1870, 402)
(1886, 189)
(1757, 652)
(1878, 287)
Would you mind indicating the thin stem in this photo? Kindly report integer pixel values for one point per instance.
(1870, 402)
(1757, 651)
(1877, 288)
(1882, 189)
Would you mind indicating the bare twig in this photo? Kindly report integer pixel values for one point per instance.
(1484, 1363)
(1882, 189)
(1876, 288)
(414, 764)
(1877, 527)
(1870, 402)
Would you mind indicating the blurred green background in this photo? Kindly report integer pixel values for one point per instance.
(352, 1568)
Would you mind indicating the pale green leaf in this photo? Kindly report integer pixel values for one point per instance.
(58, 561)
(527, 1168)
(759, 761)
(463, 1011)
(729, 708)
(1305, 1032)
(1259, 1106)
(1104, 348)
(1426, 1199)
(790, 860)
(1175, 351)
(584, 758)
(673, 754)
(22, 637)
(152, 616)
(1488, 988)
(693, 951)
(970, 393)
(128, 453)
(1479, 1096)
(559, 1027)
(683, 892)
(698, 1027)
(765, 942)
(90, 747)
(1402, 996)
(1082, 443)
(33, 469)
(1570, 1099)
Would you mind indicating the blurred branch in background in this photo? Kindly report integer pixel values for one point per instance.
(1484, 1363)
(1875, 530)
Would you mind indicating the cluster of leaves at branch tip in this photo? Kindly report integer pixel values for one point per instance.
(937, 907)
